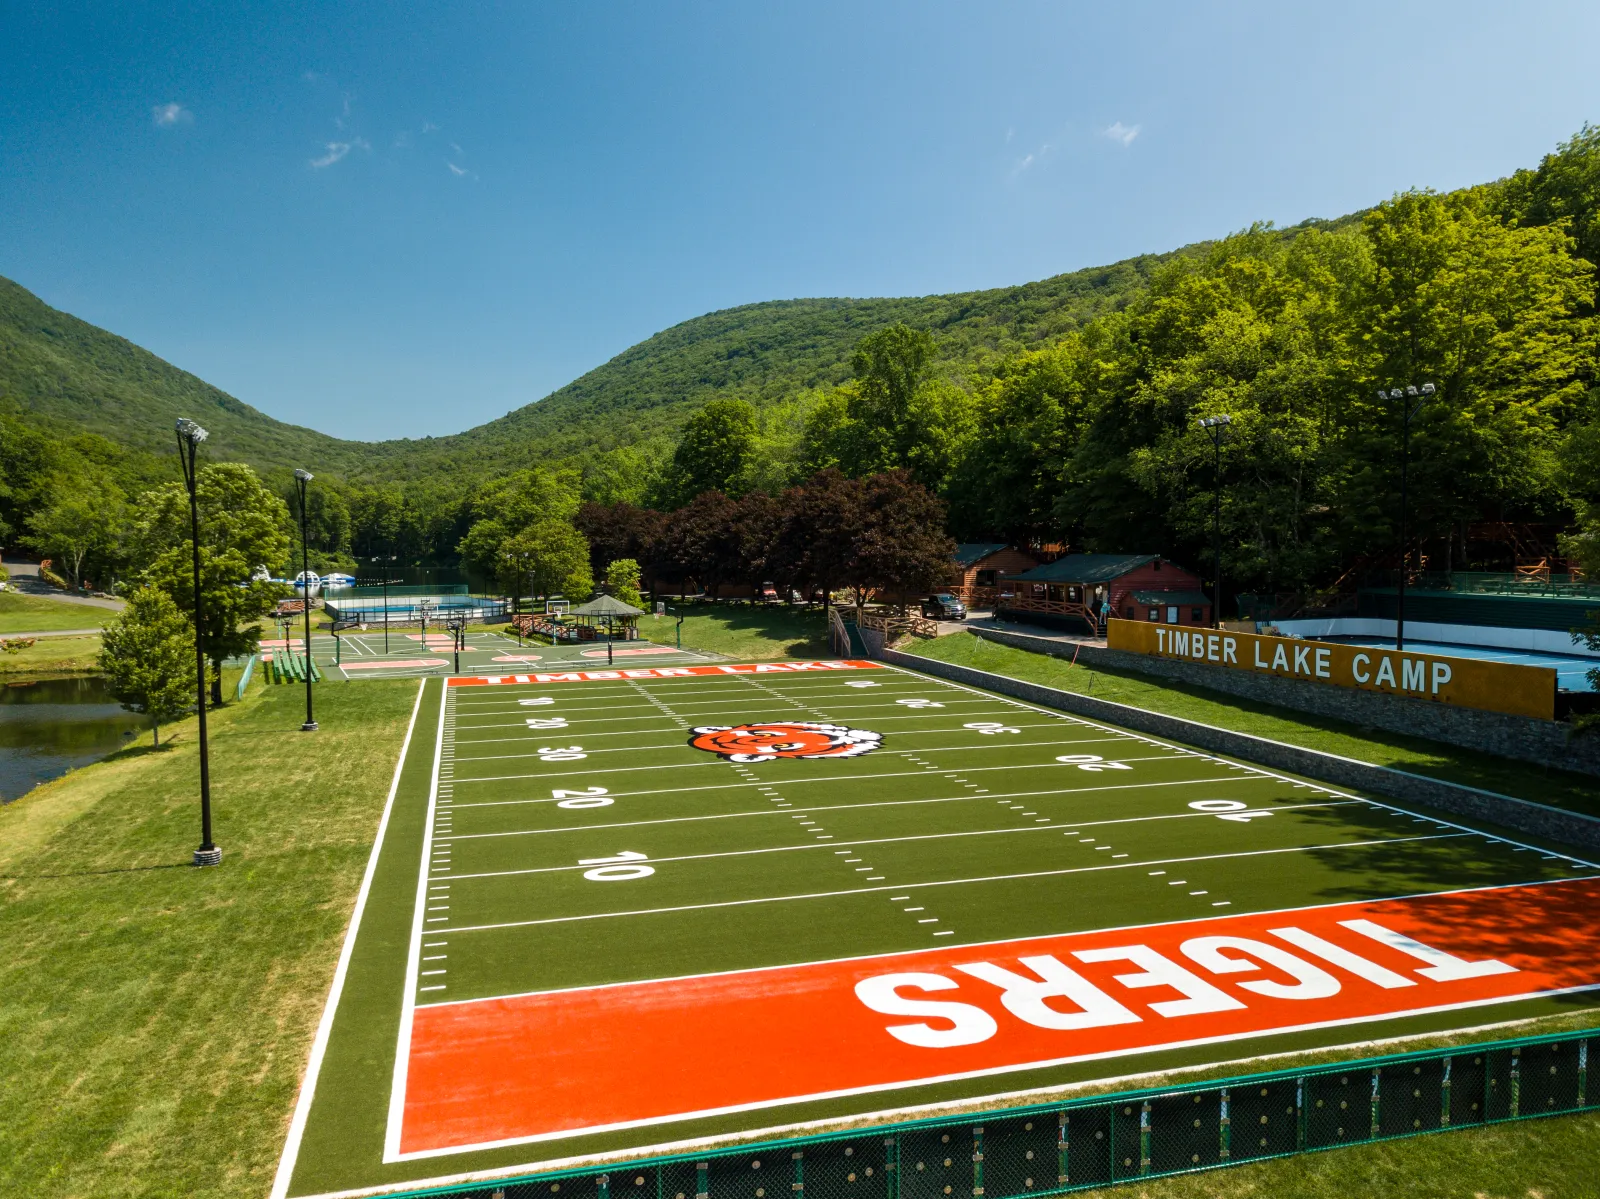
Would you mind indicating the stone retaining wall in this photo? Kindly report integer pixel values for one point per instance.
(1542, 742)
(1539, 820)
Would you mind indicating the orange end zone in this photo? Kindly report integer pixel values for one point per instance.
(661, 672)
(541, 1066)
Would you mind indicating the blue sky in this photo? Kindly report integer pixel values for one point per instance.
(403, 220)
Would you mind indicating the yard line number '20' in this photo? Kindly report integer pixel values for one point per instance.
(625, 865)
(1092, 762)
(589, 797)
(547, 722)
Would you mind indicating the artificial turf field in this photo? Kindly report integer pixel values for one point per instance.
(582, 933)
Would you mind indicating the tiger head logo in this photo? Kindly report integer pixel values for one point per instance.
(784, 739)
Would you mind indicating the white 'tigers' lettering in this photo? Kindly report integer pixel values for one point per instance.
(1025, 997)
(970, 1024)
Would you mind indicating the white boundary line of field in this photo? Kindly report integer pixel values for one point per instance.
(402, 1057)
(319, 1044)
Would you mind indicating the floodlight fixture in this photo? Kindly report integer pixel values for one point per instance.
(304, 476)
(1212, 422)
(191, 432)
(1428, 389)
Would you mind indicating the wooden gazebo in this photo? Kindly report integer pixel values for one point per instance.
(619, 620)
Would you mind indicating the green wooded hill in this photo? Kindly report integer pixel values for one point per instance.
(65, 370)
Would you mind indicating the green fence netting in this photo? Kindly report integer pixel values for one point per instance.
(1106, 1139)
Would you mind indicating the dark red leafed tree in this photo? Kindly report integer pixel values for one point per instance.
(900, 544)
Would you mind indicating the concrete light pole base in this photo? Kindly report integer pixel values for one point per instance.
(309, 726)
(208, 857)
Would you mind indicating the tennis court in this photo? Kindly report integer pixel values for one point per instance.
(411, 653)
(647, 907)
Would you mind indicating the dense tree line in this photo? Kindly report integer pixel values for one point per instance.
(1079, 429)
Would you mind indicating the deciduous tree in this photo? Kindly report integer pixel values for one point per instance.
(147, 656)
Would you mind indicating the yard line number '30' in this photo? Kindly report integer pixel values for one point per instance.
(561, 753)
(1092, 762)
(625, 865)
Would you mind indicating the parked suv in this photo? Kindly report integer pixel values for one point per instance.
(944, 606)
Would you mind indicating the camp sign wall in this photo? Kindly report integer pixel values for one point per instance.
(1464, 682)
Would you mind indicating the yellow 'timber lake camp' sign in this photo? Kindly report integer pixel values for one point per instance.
(1465, 682)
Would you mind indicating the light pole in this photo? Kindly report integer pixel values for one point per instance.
(1411, 398)
(1217, 427)
(303, 478)
(190, 435)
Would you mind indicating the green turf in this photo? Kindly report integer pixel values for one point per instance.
(1542, 785)
(805, 857)
(154, 1018)
(745, 632)
(34, 614)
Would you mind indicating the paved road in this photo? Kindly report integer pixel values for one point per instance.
(25, 578)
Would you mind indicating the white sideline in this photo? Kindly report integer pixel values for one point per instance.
(319, 1045)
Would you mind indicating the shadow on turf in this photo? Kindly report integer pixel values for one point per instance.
(114, 870)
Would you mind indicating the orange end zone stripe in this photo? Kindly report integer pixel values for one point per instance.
(536, 1067)
(661, 672)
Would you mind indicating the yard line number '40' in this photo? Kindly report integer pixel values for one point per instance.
(1092, 762)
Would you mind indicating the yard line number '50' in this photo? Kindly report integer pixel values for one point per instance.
(589, 797)
(1092, 762)
(625, 865)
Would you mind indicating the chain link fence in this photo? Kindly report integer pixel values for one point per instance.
(1106, 1139)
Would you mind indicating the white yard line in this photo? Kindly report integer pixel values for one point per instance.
(836, 845)
(886, 803)
(837, 808)
(950, 882)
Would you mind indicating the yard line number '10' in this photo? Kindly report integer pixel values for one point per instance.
(625, 865)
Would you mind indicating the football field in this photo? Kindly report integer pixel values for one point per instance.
(648, 907)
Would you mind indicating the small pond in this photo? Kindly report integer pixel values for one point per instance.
(51, 726)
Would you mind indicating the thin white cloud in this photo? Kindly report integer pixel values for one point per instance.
(1030, 160)
(1118, 132)
(168, 115)
(455, 170)
(429, 127)
(337, 151)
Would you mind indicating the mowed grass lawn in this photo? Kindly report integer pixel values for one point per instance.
(747, 632)
(154, 1018)
(33, 614)
(53, 655)
(1525, 781)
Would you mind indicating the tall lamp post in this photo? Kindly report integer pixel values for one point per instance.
(303, 479)
(1217, 427)
(1411, 399)
(190, 435)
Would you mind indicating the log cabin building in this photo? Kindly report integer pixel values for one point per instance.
(1079, 591)
(979, 565)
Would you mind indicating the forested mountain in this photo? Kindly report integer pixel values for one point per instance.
(57, 366)
(74, 374)
(1061, 411)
